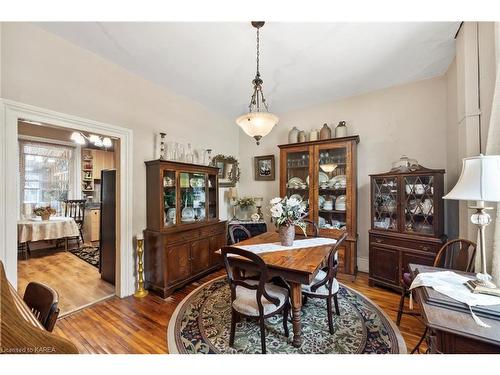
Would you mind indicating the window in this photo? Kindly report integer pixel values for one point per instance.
(46, 175)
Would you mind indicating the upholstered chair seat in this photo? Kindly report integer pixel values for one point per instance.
(322, 290)
(246, 299)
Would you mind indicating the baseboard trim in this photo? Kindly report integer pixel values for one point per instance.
(362, 264)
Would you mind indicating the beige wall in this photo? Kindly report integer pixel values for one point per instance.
(41, 69)
(408, 119)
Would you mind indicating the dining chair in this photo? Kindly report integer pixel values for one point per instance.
(315, 230)
(325, 285)
(244, 233)
(75, 208)
(254, 299)
(454, 255)
(43, 301)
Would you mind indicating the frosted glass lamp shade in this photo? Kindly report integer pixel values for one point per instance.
(257, 124)
(479, 180)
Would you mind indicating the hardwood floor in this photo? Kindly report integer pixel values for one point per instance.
(77, 282)
(133, 325)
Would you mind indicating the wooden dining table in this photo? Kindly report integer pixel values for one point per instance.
(296, 266)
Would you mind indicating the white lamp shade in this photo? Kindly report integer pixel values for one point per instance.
(257, 124)
(479, 180)
(106, 142)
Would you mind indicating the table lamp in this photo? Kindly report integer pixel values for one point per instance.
(480, 182)
(233, 196)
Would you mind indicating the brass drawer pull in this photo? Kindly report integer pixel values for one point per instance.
(378, 240)
(425, 248)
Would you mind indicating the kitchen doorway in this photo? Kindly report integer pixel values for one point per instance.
(67, 180)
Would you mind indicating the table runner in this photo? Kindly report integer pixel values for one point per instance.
(38, 230)
(297, 244)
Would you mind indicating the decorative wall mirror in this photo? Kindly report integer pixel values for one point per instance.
(229, 170)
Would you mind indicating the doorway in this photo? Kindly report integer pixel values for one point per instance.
(61, 174)
(10, 114)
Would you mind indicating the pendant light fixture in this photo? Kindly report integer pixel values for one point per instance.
(258, 122)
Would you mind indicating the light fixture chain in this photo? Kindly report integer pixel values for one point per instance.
(258, 51)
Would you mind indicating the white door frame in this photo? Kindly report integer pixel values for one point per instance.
(10, 113)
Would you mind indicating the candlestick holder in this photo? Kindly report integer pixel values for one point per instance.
(162, 146)
(141, 292)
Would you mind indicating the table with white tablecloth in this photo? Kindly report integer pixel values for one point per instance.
(31, 230)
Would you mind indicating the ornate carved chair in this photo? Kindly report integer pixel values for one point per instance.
(325, 284)
(254, 299)
(43, 301)
(244, 234)
(75, 208)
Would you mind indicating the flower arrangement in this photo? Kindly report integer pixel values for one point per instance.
(245, 202)
(44, 212)
(288, 213)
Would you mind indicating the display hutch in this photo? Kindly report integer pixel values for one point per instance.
(322, 174)
(183, 227)
(407, 221)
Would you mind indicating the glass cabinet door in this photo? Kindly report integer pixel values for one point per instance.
(385, 203)
(332, 187)
(192, 197)
(419, 204)
(169, 198)
(297, 176)
(212, 197)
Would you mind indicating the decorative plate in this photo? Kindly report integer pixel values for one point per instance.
(321, 200)
(295, 181)
(297, 197)
(197, 182)
(187, 214)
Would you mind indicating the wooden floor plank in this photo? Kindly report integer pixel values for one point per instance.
(77, 282)
(133, 325)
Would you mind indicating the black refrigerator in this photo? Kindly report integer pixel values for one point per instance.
(107, 229)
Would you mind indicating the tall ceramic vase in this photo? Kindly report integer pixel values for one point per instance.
(287, 235)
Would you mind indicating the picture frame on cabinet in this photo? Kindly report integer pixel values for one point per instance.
(264, 168)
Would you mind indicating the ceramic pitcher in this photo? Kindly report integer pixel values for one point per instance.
(293, 135)
(325, 132)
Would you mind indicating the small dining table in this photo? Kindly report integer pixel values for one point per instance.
(31, 230)
(297, 266)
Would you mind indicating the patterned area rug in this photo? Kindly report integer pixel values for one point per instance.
(201, 324)
(90, 254)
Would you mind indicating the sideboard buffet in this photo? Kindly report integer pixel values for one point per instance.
(183, 227)
(323, 176)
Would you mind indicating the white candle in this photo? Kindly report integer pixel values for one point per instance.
(139, 236)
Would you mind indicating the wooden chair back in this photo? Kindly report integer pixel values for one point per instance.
(244, 233)
(19, 335)
(257, 264)
(43, 301)
(457, 255)
(314, 226)
(332, 267)
(75, 208)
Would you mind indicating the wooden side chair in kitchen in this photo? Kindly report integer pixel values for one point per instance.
(75, 208)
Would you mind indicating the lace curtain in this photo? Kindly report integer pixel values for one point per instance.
(46, 175)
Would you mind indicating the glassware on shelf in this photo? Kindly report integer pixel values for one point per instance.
(189, 154)
(162, 146)
(208, 156)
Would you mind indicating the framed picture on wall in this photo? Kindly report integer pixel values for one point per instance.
(264, 168)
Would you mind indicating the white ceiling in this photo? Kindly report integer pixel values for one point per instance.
(301, 63)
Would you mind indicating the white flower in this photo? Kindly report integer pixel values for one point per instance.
(275, 200)
(277, 210)
(292, 202)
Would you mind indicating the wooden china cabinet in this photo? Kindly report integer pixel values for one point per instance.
(183, 227)
(323, 175)
(407, 222)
